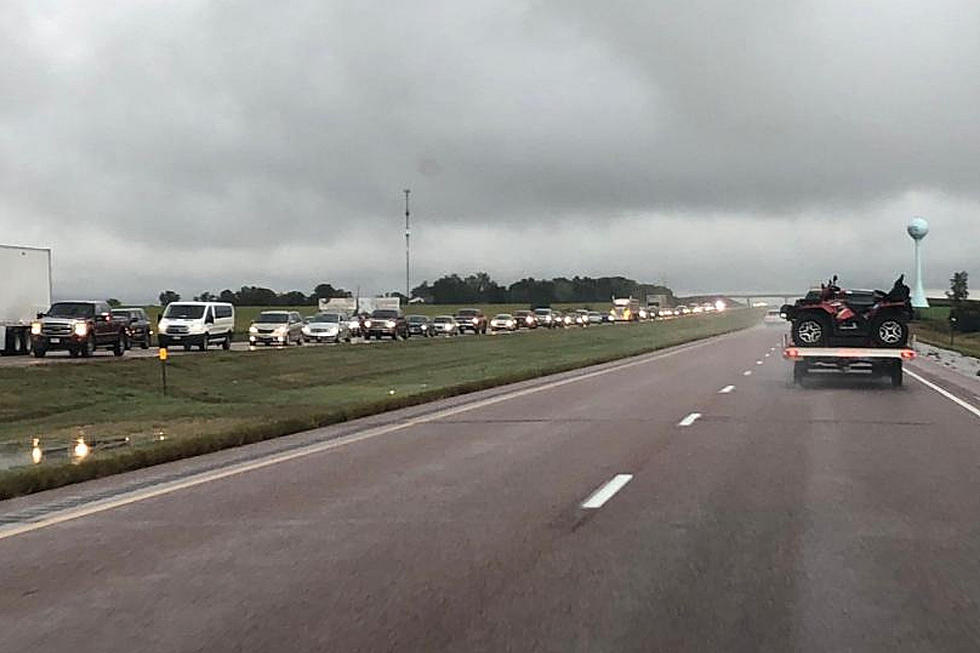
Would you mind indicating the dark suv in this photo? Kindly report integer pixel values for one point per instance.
(471, 319)
(385, 322)
(79, 327)
(139, 331)
(419, 325)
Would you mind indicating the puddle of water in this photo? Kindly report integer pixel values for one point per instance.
(42, 451)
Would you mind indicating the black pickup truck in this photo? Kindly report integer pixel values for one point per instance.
(79, 327)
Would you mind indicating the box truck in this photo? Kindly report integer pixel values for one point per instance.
(25, 291)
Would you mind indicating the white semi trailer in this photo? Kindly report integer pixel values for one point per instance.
(351, 305)
(25, 291)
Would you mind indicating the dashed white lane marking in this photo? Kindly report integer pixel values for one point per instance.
(690, 419)
(768, 354)
(358, 436)
(949, 395)
(758, 362)
(606, 492)
(726, 389)
(747, 373)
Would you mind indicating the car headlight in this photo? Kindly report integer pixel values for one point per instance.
(367, 323)
(80, 329)
(280, 330)
(390, 324)
(510, 322)
(475, 321)
(306, 331)
(425, 327)
(253, 329)
(35, 328)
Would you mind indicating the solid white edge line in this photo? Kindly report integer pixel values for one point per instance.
(949, 395)
(367, 434)
(690, 419)
(607, 491)
(726, 389)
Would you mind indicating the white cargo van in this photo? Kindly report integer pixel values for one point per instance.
(197, 324)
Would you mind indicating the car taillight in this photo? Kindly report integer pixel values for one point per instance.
(791, 352)
(908, 354)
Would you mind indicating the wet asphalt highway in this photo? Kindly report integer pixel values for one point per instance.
(692, 499)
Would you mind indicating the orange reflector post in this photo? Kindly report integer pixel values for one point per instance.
(163, 353)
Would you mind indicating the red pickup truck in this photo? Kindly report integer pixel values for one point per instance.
(79, 327)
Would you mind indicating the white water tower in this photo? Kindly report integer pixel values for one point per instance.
(918, 228)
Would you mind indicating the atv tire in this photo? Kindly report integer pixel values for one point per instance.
(889, 331)
(811, 330)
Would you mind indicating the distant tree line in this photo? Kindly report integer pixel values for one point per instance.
(259, 296)
(480, 288)
(477, 288)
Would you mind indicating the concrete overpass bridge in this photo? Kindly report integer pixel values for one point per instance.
(751, 297)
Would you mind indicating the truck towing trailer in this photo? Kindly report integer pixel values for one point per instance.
(877, 361)
(25, 291)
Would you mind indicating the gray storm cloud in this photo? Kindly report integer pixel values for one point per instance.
(205, 145)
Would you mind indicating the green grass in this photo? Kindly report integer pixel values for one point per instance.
(936, 332)
(938, 313)
(245, 314)
(225, 399)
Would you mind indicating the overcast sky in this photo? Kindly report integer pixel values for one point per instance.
(712, 145)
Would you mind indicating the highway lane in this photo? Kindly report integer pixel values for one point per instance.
(756, 516)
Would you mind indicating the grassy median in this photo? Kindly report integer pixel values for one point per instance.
(223, 399)
(936, 333)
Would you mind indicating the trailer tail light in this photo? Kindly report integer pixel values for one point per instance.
(908, 354)
(791, 352)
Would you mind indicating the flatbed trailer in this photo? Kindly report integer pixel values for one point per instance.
(879, 361)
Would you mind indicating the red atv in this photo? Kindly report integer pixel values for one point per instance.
(833, 317)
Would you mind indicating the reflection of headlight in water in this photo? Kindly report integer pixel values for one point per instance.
(81, 449)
